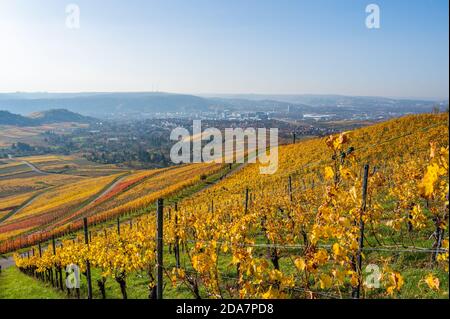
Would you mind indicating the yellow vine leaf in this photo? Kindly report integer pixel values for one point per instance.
(432, 282)
(329, 173)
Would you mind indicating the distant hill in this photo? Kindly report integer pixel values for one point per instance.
(44, 117)
(59, 115)
(150, 104)
(7, 118)
(105, 104)
(338, 103)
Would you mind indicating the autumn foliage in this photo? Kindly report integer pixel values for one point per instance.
(298, 235)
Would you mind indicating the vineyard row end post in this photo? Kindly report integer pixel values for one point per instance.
(290, 188)
(246, 200)
(177, 244)
(356, 290)
(56, 269)
(88, 265)
(159, 248)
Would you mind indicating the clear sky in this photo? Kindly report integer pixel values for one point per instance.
(227, 46)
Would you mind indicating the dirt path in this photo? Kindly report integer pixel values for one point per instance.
(23, 206)
(109, 189)
(33, 167)
(36, 169)
(33, 198)
(6, 262)
(92, 200)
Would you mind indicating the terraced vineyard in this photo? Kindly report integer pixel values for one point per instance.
(11, 203)
(141, 189)
(59, 207)
(31, 196)
(8, 169)
(70, 165)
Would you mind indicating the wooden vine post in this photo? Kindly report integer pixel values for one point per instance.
(440, 231)
(290, 188)
(159, 248)
(358, 266)
(88, 265)
(246, 200)
(177, 240)
(54, 283)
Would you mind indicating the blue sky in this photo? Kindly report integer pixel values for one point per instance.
(227, 46)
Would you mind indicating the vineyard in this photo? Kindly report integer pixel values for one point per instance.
(9, 187)
(59, 210)
(14, 168)
(53, 203)
(11, 203)
(361, 214)
(71, 165)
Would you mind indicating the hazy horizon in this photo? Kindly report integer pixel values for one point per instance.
(230, 95)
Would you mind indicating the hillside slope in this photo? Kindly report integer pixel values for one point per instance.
(7, 118)
(43, 117)
(297, 233)
(58, 116)
(312, 226)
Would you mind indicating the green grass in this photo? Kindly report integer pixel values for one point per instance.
(16, 285)
(415, 288)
